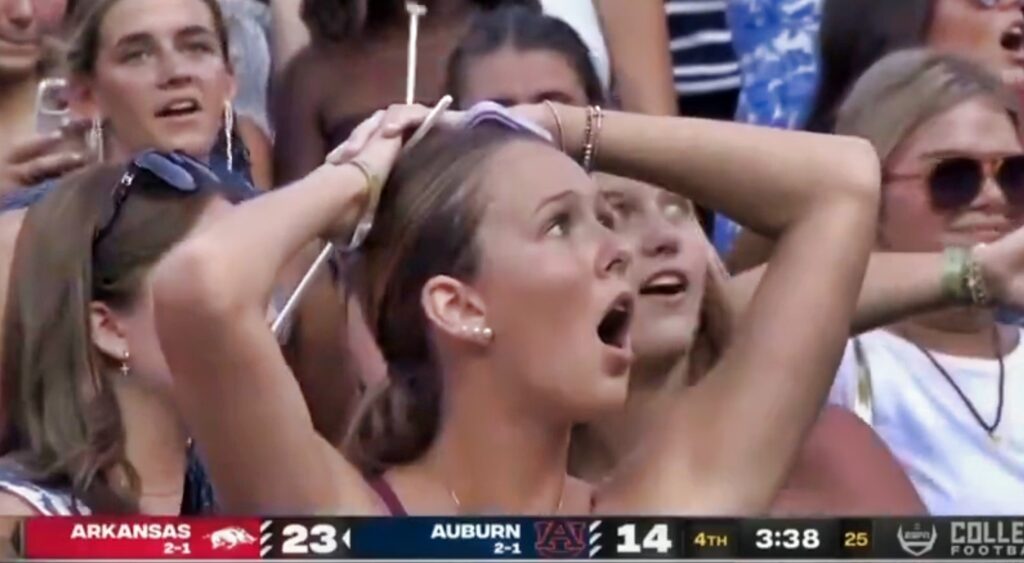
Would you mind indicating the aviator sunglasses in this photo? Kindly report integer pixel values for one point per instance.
(954, 182)
(174, 170)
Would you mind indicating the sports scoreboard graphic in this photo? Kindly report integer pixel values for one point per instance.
(479, 539)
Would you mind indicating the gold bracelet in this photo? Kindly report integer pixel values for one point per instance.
(595, 118)
(599, 125)
(373, 188)
(558, 124)
(977, 287)
(587, 133)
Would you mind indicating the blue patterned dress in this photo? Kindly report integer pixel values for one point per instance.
(777, 44)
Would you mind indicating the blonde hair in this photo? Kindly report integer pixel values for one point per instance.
(907, 88)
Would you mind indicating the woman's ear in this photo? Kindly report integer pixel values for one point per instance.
(108, 333)
(455, 309)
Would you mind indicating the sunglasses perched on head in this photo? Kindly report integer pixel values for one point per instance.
(1002, 4)
(176, 171)
(954, 182)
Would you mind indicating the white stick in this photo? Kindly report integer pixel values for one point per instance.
(416, 11)
(293, 300)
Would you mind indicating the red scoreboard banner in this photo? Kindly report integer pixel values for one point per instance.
(142, 538)
(481, 539)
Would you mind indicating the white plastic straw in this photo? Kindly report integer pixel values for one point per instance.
(416, 11)
(281, 321)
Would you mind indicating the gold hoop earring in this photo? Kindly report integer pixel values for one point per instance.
(229, 134)
(126, 370)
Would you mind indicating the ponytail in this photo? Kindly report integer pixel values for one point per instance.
(397, 421)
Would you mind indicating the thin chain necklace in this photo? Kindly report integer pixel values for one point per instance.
(989, 428)
(458, 503)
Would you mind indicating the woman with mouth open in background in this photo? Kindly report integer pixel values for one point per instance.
(500, 298)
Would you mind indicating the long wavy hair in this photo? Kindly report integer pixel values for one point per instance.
(62, 424)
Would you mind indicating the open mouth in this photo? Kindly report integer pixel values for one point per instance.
(180, 108)
(1013, 38)
(614, 327)
(668, 284)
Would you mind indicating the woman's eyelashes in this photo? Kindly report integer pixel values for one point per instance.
(201, 48)
(560, 224)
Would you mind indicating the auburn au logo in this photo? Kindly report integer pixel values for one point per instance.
(560, 538)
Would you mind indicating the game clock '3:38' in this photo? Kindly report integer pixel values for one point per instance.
(788, 538)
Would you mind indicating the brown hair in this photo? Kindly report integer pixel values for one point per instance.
(85, 42)
(63, 429)
(425, 227)
(907, 88)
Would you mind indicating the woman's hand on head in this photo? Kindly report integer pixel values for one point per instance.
(378, 140)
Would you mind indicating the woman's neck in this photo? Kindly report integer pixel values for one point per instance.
(604, 443)
(155, 445)
(496, 458)
(959, 332)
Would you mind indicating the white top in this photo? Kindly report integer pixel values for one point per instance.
(957, 468)
(44, 500)
(582, 16)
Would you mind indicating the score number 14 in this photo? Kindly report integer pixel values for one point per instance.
(656, 539)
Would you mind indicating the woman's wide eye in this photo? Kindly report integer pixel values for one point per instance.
(559, 226)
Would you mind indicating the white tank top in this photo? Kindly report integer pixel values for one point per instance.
(957, 468)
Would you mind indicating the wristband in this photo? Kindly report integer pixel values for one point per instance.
(954, 268)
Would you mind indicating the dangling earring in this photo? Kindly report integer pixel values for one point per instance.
(125, 369)
(96, 138)
(229, 134)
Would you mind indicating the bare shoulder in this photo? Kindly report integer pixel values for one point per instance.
(350, 492)
(13, 505)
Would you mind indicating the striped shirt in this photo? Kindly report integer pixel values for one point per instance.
(703, 59)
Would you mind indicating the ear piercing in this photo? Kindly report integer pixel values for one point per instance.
(484, 333)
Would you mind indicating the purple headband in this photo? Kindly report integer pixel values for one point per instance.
(494, 114)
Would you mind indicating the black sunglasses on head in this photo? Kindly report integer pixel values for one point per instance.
(175, 170)
(954, 182)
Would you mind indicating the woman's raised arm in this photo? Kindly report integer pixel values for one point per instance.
(729, 441)
(240, 401)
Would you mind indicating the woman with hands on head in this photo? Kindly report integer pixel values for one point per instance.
(685, 303)
(497, 291)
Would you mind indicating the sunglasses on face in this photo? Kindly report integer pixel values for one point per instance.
(176, 171)
(955, 182)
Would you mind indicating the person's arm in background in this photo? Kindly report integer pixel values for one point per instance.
(299, 146)
(637, 36)
(261, 152)
(289, 35)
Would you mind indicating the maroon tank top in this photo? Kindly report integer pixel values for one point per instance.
(387, 496)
